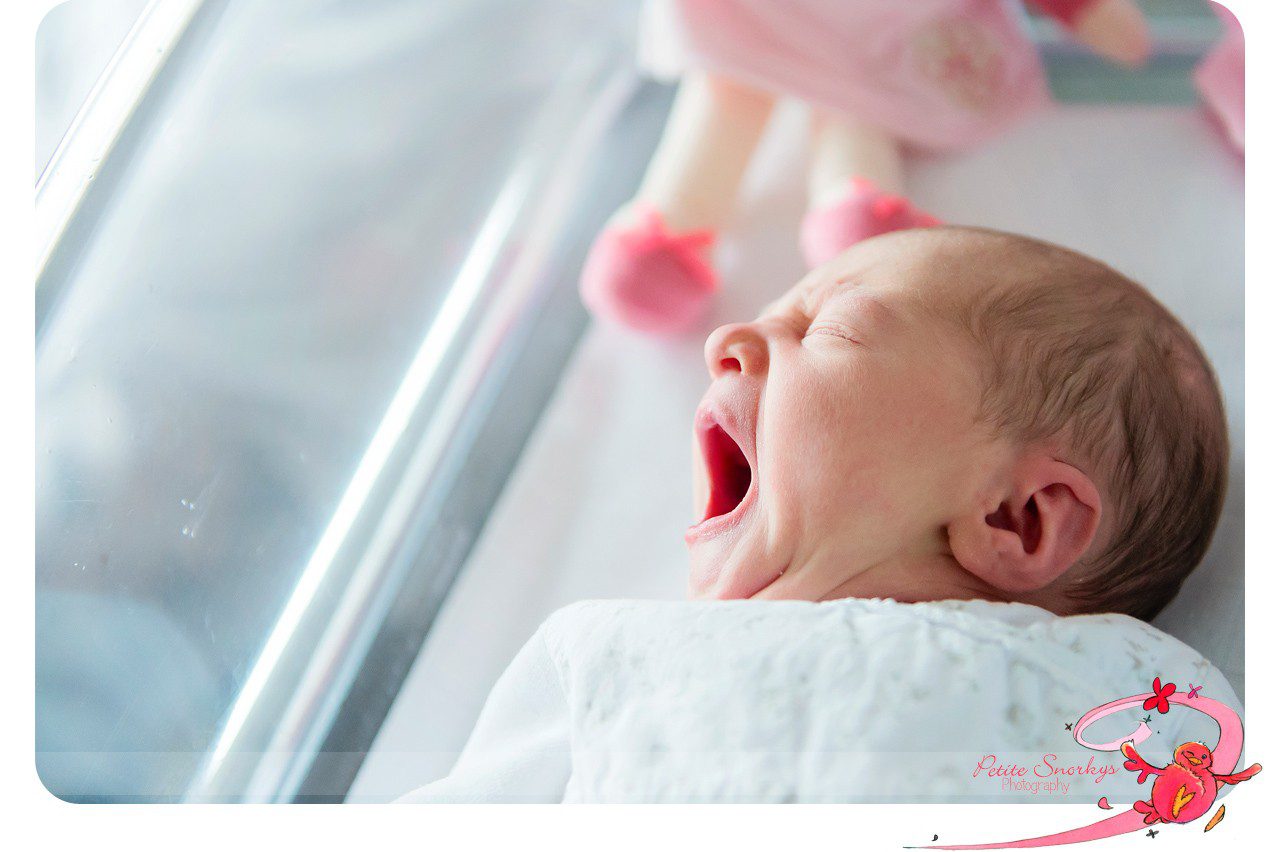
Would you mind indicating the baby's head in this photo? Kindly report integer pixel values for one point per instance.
(958, 413)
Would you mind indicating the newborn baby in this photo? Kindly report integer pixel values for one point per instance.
(955, 413)
(969, 462)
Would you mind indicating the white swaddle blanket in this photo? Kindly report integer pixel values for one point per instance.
(850, 700)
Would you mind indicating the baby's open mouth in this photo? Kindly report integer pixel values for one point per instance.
(728, 471)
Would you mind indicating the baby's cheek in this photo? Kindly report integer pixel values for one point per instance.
(845, 471)
(838, 443)
(897, 442)
(925, 419)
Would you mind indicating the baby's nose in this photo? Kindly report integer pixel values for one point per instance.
(737, 348)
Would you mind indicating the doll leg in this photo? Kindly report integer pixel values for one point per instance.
(706, 146)
(844, 148)
(1115, 29)
(650, 267)
(855, 185)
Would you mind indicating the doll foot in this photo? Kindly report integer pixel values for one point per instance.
(862, 212)
(647, 278)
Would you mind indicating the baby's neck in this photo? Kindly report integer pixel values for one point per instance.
(915, 578)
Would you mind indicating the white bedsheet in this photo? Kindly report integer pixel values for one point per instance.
(598, 503)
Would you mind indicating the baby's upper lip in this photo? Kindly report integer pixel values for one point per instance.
(741, 429)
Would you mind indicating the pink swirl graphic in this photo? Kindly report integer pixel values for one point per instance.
(1139, 734)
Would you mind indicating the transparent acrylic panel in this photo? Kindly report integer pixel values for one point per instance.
(76, 41)
(226, 341)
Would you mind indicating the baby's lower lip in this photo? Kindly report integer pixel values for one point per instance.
(720, 524)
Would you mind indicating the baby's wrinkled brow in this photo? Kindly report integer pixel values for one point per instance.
(833, 285)
(809, 296)
(864, 309)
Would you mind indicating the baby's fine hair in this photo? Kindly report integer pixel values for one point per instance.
(1076, 352)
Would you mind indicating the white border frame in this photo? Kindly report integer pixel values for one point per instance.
(36, 818)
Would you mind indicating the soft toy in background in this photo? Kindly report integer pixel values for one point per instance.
(1220, 78)
(880, 75)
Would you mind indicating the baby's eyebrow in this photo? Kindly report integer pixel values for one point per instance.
(864, 306)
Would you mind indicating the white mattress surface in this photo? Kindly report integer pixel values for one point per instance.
(598, 503)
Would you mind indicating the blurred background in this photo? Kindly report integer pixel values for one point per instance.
(322, 431)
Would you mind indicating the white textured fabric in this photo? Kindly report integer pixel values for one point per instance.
(519, 750)
(852, 700)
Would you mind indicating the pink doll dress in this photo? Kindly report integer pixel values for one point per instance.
(936, 74)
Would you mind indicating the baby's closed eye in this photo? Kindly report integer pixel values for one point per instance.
(826, 327)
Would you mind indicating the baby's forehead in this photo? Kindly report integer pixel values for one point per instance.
(854, 271)
(935, 269)
(897, 276)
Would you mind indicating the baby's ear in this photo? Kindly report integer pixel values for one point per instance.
(1047, 516)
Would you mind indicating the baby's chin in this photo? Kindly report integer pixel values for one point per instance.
(704, 580)
(718, 576)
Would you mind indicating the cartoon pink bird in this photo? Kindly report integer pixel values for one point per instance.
(1185, 789)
